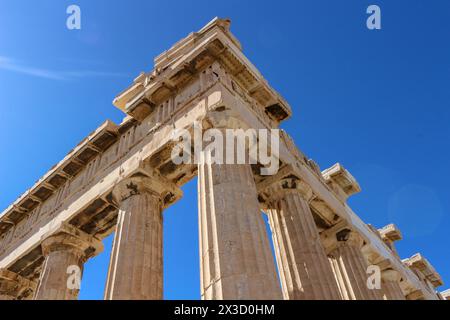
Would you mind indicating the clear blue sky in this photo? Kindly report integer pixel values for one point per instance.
(376, 101)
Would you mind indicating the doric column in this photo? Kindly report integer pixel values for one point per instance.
(236, 260)
(304, 268)
(136, 266)
(390, 284)
(65, 253)
(15, 287)
(350, 266)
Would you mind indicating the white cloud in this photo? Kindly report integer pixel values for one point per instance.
(9, 64)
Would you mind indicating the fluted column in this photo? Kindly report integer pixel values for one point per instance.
(391, 286)
(304, 268)
(236, 259)
(65, 253)
(350, 267)
(15, 287)
(136, 266)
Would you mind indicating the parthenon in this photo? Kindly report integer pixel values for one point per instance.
(120, 179)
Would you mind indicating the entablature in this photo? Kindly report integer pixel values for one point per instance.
(97, 142)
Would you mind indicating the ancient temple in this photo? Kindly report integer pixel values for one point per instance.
(121, 178)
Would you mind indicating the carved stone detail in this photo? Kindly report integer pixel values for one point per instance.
(15, 287)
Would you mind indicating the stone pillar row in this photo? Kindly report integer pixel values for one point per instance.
(235, 255)
(236, 260)
(136, 266)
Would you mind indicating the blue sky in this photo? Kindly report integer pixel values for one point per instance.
(376, 101)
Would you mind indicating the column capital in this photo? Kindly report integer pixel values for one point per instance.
(340, 235)
(349, 237)
(391, 287)
(150, 181)
(14, 286)
(224, 117)
(289, 184)
(390, 275)
(381, 262)
(415, 295)
(273, 188)
(70, 238)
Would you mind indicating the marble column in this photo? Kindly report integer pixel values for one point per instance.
(136, 266)
(390, 283)
(235, 256)
(304, 268)
(65, 253)
(350, 267)
(15, 287)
